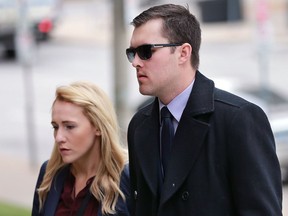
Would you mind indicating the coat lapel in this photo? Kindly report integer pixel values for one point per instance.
(190, 135)
(55, 192)
(147, 147)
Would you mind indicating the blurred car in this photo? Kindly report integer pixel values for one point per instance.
(42, 16)
(280, 130)
(8, 23)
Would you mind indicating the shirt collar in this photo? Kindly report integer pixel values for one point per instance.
(177, 105)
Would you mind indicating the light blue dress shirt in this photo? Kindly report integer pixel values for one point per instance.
(177, 105)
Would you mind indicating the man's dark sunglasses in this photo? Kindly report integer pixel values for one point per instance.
(145, 51)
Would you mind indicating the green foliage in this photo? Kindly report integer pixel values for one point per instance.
(8, 209)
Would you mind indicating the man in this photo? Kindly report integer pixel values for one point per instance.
(222, 159)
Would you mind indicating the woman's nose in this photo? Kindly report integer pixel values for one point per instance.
(59, 136)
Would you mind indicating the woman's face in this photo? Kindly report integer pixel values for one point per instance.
(75, 136)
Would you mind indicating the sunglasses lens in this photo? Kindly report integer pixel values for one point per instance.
(130, 54)
(144, 52)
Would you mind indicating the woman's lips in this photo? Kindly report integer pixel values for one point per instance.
(64, 151)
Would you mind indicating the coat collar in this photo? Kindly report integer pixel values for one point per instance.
(201, 99)
(54, 194)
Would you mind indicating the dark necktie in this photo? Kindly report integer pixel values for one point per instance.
(167, 135)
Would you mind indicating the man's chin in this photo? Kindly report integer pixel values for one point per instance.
(143, 91)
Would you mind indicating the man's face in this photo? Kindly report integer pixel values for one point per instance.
(156, 75)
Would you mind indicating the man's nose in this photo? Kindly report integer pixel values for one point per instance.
(137, 61)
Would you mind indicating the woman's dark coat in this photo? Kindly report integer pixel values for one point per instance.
(51, 203)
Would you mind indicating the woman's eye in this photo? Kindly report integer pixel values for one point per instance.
(69, 127)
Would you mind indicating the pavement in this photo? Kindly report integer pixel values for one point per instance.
(18, 180)
(18, 177)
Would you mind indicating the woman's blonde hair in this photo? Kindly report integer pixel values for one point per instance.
(98, 108)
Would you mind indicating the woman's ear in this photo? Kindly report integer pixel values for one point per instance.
(97, 132)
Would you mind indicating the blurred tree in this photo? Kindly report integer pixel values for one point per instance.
(120, 65)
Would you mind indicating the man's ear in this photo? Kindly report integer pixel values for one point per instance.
(185, 53)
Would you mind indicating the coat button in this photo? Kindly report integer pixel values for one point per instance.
(185, 195)
(135, 195)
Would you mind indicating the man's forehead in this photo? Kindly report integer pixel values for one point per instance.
(148, 33)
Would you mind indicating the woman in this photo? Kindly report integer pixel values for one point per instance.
(86, 173)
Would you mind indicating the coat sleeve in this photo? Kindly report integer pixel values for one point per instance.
(123, 206)
(35, 207)
(254, 169)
